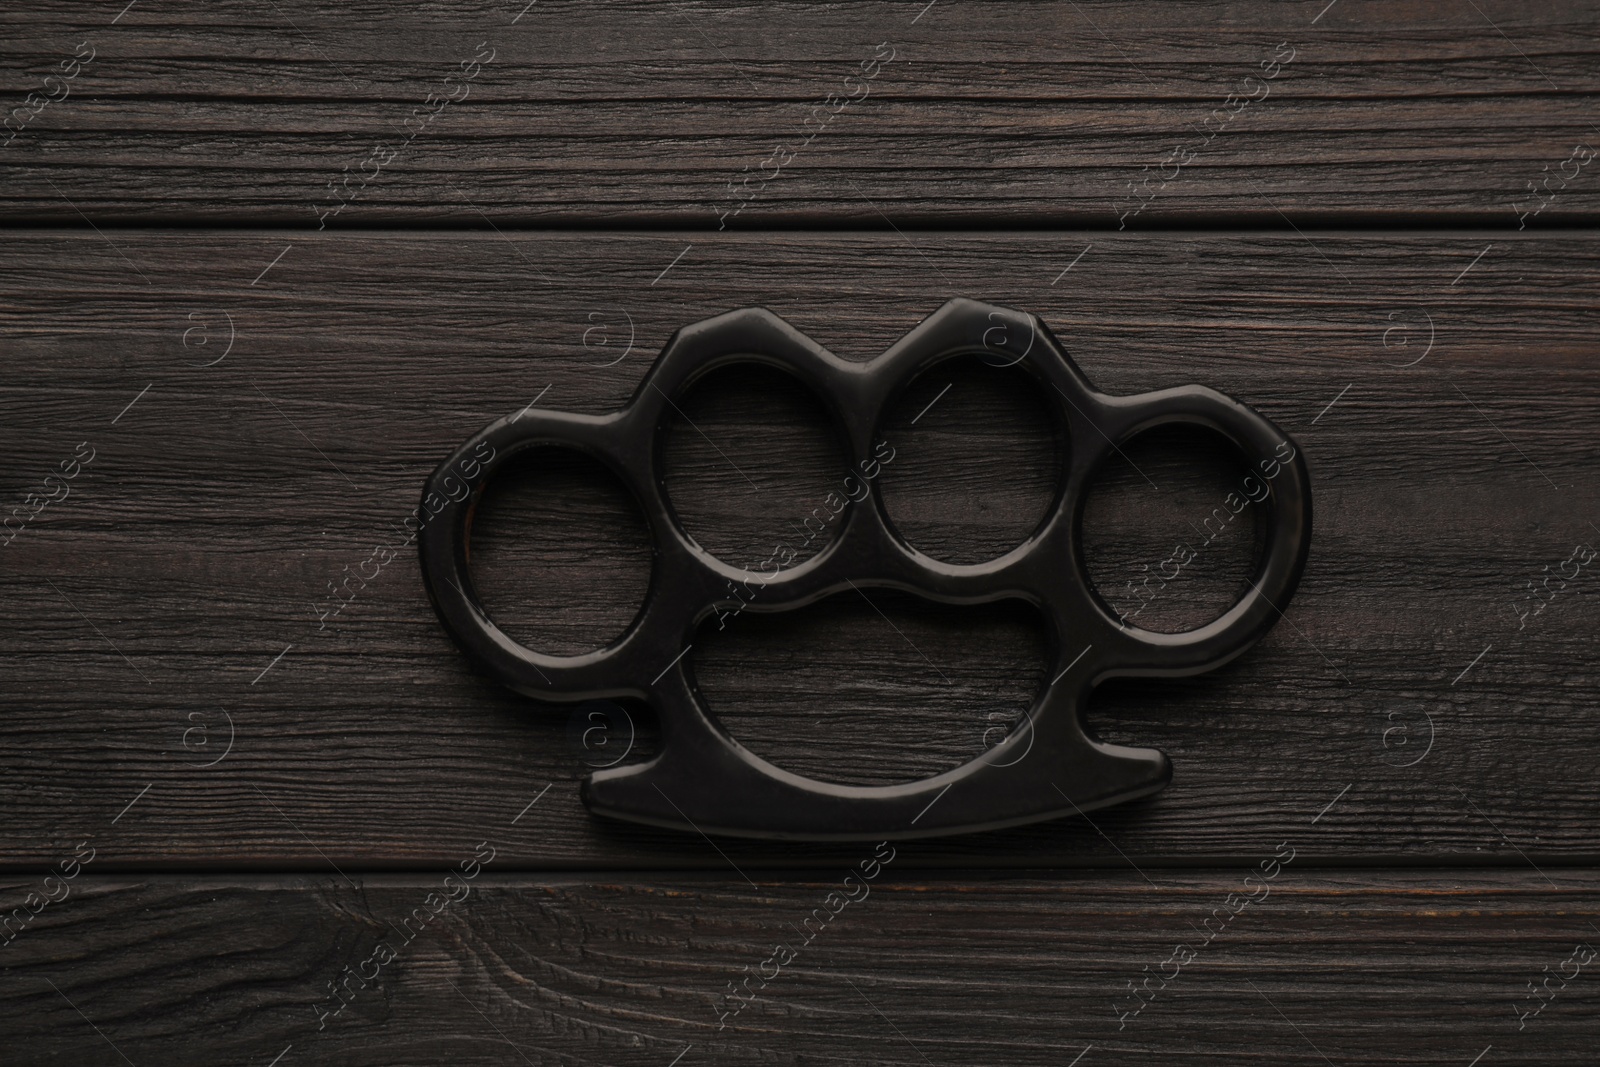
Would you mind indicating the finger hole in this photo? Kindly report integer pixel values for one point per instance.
(753, 467)
(559, 552)
(1173, 529)
(978, 459)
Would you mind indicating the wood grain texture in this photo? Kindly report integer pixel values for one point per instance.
(182, 577)
(631, 113)
(1423, 969)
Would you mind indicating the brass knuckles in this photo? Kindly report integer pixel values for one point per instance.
(703, 779)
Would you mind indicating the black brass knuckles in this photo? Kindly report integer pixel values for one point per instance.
(702, 779)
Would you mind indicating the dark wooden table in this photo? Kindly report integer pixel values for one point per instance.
(267, 261)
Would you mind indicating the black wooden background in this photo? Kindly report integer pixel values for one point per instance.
(231, 814)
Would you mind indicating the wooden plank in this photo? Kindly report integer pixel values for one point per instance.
(1323, 967)
(181, 578)
(629, 113)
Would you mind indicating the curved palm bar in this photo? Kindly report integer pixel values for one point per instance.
(705, 780)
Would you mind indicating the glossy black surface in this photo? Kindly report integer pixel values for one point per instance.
(703, 779)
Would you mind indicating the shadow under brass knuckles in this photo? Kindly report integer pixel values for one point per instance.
(703, 779)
